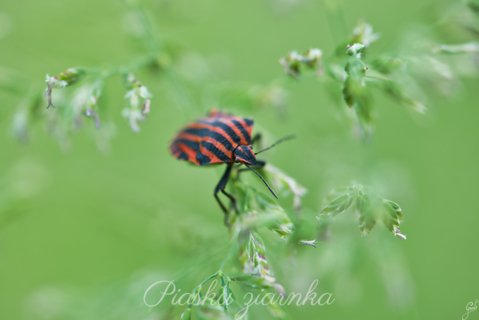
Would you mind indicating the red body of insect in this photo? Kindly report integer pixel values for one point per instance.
(215, 139)
(218, 138)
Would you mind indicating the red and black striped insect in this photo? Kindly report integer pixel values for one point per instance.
(216, 139)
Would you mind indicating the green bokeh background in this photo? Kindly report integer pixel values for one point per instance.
(97, 220)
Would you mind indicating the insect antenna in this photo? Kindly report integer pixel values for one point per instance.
(283, 139)
(264, 181)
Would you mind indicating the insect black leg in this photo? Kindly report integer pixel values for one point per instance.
(221, 203)
(232, 199)
(257, 139)
(258, 165)
(221, 187)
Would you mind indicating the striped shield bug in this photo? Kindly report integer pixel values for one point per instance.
(221, 138)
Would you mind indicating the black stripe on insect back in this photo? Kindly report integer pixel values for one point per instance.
(242, 129)
(189, 143)
(179, 153)
(249, 157)
(240, 154)
(182, 155)
(226, 128)
(204, 132)
(202, 159)
(217, 152)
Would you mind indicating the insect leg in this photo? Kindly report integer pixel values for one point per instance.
(257, 138)
(220, 203)
(258, 165)
(232, 199)
(221, 187)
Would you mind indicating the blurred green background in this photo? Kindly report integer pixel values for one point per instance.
(89, 230)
